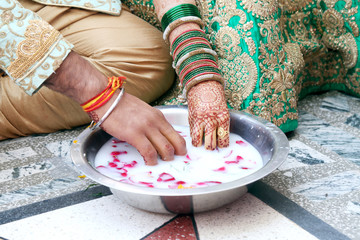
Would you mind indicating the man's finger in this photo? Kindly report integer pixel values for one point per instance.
(164, 148)
(177, 141)
(146, 150)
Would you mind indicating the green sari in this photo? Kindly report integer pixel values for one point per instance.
(274, 52)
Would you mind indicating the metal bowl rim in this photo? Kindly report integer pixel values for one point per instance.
(281, 149)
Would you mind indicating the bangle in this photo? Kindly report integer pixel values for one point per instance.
(115, 103)
(196, 65)
(197, 51)
(188, 33)
(191, 40)
(179, 11)
(189, 48)
(178, 22)
(103, 97)
(195, 58)
(202, 78)
(200, 71)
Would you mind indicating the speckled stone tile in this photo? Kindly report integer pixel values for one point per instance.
(182, 227)
(104, 218)
(36, 168)
(248, 218)
(322, 171)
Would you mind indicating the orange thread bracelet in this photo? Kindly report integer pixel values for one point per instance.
(103, 97)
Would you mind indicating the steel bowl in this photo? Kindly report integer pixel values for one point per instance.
(268, 139)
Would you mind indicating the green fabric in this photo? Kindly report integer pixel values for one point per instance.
(273, 53)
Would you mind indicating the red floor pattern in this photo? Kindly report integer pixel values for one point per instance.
(180, 227)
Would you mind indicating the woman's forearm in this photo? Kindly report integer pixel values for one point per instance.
(162, 6)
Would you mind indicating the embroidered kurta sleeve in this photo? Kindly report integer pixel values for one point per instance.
(30, 49)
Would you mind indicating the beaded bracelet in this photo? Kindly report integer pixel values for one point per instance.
(179, 11)
(103, 97)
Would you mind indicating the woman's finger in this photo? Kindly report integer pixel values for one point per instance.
(210, 135)
(223, 135)
(197, 133)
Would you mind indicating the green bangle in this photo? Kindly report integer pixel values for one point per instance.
(198, 71)
(182, 10)
(187, 35)
(202, 56)
(190, 49)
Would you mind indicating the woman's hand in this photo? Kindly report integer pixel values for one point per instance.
(208, 115)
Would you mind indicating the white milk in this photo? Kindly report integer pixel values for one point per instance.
(200, 167)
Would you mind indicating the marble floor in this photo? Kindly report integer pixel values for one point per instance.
(315, 194)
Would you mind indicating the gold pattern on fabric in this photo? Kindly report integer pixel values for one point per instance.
(346, 45)
(296, 30)
(206, 10)
(263, 9)
(353, 82)
(39, 37)
(146, 11)
(241, 75)
(276, 94)
(106, 6)
(227, 41)
(295, 5)
(294, 56)
(349, 15)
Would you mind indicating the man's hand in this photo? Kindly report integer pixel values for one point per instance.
(132, 120)
(208, 114)
(145, 128)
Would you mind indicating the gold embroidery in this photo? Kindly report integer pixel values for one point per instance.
(241, 75)
(283, 80)
(6, 17)
(294, 56)
(144, 10)
(263, 9)
(346, 45)
(353, 82)
(39, 37)
(205, 10)
(333, 22)
(106, 6)
(295, 5)
(227, 41)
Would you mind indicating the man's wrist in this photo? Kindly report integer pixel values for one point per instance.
(77, 79)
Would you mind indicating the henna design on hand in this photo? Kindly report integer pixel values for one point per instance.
(208, 113)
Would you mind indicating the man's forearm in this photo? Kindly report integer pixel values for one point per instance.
(77, 79)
